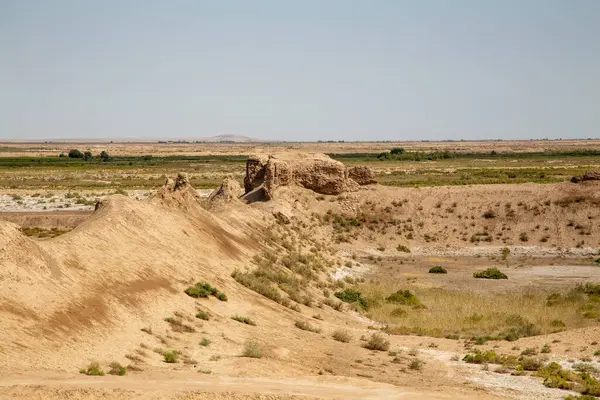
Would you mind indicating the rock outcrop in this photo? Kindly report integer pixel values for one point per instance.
(178, 191)
(362, 175)
(229, 191)
(316, 172)
(588, 176)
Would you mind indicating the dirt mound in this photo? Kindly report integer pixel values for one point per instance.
(316, 172)
(86, 294)
(229, 191)
(362, 175)
(588, 176)
(178, 191)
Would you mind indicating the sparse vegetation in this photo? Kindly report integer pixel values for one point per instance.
(243, 320)
(341, 335)
(377, 342)
(205, 342)
(252, 349)
(402, 248)
(489, 214)
(305, 326)
(92, 370)
(416, 365)
(178, 326)
(117, 369)
(203, 315)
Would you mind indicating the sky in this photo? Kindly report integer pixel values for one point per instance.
(300, 69)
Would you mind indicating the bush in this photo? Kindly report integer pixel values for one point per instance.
(416, 365)
(221, 296)
(117, 369)
(204, 289)
(74, 153)
(404, 297)
(92, 370)
(171, 356)
(243, 320)
(377, 342)
(305, 326)
(489, 214)
(490, 273)
(403, 248)
(438, 270)
(483, 357)
(205, 342)
(341, 335)
(252, 349)
(352, 296)
(202, 315)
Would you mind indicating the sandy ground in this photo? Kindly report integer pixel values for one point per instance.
(62, 200)
(102, 291)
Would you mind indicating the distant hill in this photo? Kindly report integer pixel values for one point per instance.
(211, 139)
(229, 138)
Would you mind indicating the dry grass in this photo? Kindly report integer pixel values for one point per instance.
(342, 335)
(508, 315)
(252, 349)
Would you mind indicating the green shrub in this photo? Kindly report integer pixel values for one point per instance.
(204, 289)
(117, 369)
(205, 342)
(202, 315)
(341, 335)
(490, 273)
(404, 297)
(438, 270)
(243, 320)
(305, 326)
(377, 342)
(92, 370)
(221, 296)
(352, 296)
(171, 356)
(252, 349)
(74, 153)
(556, 377)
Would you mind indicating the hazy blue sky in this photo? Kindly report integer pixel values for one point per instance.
(300, 70)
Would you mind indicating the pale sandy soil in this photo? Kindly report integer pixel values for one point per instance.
(86, 296)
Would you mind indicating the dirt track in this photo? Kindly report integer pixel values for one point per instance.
(189, 386)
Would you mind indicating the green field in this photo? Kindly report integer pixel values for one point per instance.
(406, 169)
